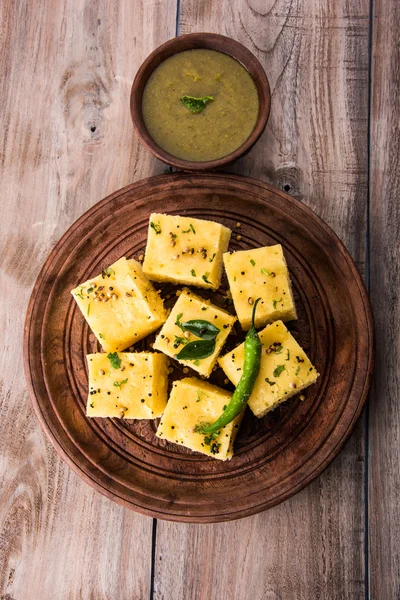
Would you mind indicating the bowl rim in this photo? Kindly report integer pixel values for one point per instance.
(192, 41)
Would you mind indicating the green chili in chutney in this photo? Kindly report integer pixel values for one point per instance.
(200, 105)
(251, 369)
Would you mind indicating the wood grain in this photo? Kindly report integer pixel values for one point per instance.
(67, 140)
(315, 146)
(384, 424)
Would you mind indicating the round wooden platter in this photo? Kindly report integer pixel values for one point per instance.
(275, 456)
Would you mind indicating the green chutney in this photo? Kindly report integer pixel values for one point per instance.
(229, 114)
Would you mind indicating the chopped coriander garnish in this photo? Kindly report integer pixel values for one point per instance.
(156, 227)
(186, 230)
(279, 370)
(204, 308)
(288, 355)
(214, 447)
(193, 273)
(253, 262)
(196, 362)
(199, 394)
(120, 383)
(107, 272)
(88, 309)
(101, 336)
(270, 382)
(178, 321)
(114, 360)
(205, 277)
(80, 293)
(192, 228)
(275, 302)
(180, 340)
(297, 371)
(91, 405)
(212, 258)
(265, 272)
(90, 289)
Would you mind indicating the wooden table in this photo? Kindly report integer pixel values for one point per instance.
(333, 142)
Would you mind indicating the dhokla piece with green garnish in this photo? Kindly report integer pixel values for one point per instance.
(184, 250)
(127, 385)
(194, 332)
(120, 305)
(193, 402)
(285, 369)
(260, 273)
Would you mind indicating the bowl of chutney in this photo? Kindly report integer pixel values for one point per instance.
(200, 101)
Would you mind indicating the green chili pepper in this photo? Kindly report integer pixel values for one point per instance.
(251, 368)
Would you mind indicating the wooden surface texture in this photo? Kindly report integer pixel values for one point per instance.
(333, 142)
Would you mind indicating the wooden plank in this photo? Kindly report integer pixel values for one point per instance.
(66, 71)
(384, 423)
(316, 57)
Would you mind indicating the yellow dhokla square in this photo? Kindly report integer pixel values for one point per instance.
(172, 339)
(260, 273)
(185, 250)
(120, 305)
(127, 385)
(193, 402)
(285, 369)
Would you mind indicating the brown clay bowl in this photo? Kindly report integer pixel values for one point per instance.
(191, 41)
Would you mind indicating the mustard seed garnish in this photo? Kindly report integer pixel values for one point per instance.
(175, 256)
(97, 299)
(186, 250)
(101, 288)
(201, 249)
(105, 299)
(250, 300)
(141, 257)
(93, 285)
(128, 294)
(273, 274)
(226, 381)
(191, 250)
(173, 243)
(111, 288)
(187, 334)
(186, 370)
(293, 385)
(238, 237)
(238, 225)
(123, 368)
(102, 372)
(109, 294)
(302, 397)
(268, 351)
(114, 297)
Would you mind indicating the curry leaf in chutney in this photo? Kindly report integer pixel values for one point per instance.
(196, 105)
